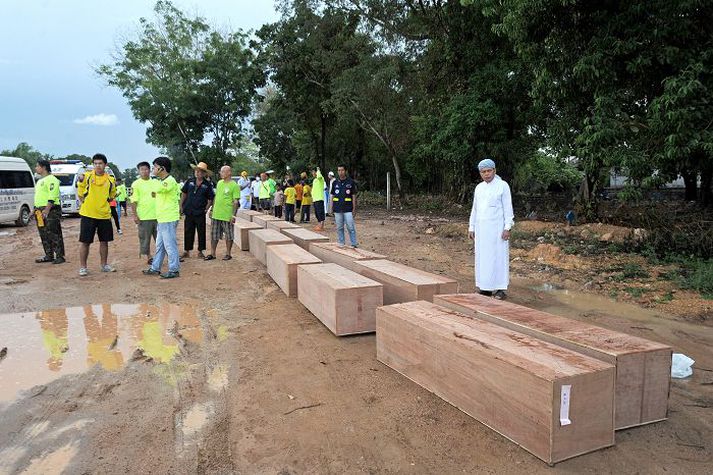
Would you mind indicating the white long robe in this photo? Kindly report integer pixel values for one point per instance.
(491, 214)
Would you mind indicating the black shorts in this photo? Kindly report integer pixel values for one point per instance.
(265, 203)
(88, 227)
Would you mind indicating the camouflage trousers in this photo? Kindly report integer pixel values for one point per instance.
(51, 234)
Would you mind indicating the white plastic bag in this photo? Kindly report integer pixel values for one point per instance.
(681, 366)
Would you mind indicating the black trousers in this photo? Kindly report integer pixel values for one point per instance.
(290, 212)
(51, 234)
(193, 225)
(305, 214)
(115, 215)
(278, 211)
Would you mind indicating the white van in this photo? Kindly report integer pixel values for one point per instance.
(67, 172)
(17, 191)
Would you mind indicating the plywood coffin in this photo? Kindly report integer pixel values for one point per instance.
(342, 255)
(554, 402)
(242, 228)
(643, 367)
(282, 261)
(261, 238)
(344, 301)
(304, 237)
(403, 283)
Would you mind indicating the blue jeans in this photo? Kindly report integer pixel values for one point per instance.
(345, 218)
(166, 244)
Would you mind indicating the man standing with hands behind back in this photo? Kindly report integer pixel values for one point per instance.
(48, 206)
(491, 218)
(167, 215)
(143, 206)
(227, 199)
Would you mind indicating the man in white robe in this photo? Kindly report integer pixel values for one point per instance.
(491, 219)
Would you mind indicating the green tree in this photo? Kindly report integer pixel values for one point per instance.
(28, 153)
(192, 85)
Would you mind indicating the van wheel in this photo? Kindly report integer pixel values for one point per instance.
(24, 218)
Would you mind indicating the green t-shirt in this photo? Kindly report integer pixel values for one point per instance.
(121, 192)
(225, 194)
(141, 195)
(318, 187)
(273, 186)
(264, 190)
(46, 189)
(167, 202)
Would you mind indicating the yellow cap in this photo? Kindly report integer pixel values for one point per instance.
(244, 173)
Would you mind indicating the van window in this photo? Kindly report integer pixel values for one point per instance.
(16, 179)
(65, 179)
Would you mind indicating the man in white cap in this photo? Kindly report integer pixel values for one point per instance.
(491, 219)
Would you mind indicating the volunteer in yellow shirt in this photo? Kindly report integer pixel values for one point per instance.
(306, 202)
(290, 201)
(168, 213)
(48, 212)
(95, 190)
(143, 206)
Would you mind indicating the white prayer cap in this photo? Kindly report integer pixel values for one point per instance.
(486, 163)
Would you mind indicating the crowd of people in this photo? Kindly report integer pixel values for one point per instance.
(158, 201)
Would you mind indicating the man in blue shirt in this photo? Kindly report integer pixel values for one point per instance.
(344, 191)
(196, 197)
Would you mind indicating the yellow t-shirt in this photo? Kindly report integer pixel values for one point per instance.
(307, 195)
(290, 195)
(97, 191)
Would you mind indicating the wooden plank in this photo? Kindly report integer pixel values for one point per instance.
(643, 367)
(344, 301)
(282, 261)
(261, 238)
(242, 227)
(403, 283)
(280, 225)
(342, 255)
(304, 237)
(507, 380)
(263, 219)
(247, 214)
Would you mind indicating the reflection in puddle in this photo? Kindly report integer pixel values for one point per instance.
(45, 345)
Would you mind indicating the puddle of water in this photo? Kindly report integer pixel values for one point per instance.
(7, 233)
(54, 462)
(218, 378)
(190, 424)
(46, 345)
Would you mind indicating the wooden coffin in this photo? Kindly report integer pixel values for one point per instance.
(403, 283)
(304, 237)
(643, 367)
(342, 255)
(281, 224)
(554, 402)
(261, 238)
(247, 214)
(282, 261)
(263, 219)
(344, 301)
(242, 227)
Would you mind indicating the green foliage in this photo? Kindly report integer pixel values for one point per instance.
(188, 82)
(545, 172)
(26, 152)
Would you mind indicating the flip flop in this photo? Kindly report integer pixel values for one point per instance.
(209, 257)
(227, 258)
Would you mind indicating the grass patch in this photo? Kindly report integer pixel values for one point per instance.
(698, 275)
(635, 292)
(667, 297)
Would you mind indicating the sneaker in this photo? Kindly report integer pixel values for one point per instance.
(59, 260)
(150, 271)
(120, 232)
(108, 268)
(500, 295)
(83, 272)
(170, 275)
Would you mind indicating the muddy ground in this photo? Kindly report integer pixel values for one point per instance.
(248, 381)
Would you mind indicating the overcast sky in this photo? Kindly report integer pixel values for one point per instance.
(50, 96)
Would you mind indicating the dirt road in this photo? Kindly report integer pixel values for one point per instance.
(248, 381)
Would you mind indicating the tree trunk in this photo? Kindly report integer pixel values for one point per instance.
(690, 182)
(707, 187)
(397, 173)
